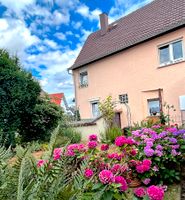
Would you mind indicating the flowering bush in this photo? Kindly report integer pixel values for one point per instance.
(164, 147)
(149, 155)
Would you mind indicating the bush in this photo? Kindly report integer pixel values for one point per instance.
(111, 134)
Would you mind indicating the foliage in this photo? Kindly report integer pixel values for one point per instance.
(18, 95)
(165, 115)
(111, 134)
(39, 124)
(21, 108)
(165, 147)
(107, 110)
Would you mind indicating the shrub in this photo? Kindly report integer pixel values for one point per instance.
(110, 134)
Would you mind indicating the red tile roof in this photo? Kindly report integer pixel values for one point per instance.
(150, 21)
(56, 98)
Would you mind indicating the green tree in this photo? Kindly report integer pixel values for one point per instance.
(21, 109)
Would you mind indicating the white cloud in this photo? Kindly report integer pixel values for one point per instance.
(17, 6)
(16, 37)
(60, 36)
(85, 12)
(50, 43)
(76, 25)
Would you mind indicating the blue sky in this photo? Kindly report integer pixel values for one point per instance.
(47, 35)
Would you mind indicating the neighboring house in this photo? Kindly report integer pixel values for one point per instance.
(139, 60)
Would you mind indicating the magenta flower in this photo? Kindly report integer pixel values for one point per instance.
(115, 156)
(147, 162)
(116, 168)
(88, 173)
(93, 137)
(104, 147)
(92, 144)
(120, 141)
(40, 163)
(140, 192)
(57, 153)
(155, 193)
(156, 126)
(106, 176)
(133, 152)
(142, 168)
(122, 181)
(146, 181)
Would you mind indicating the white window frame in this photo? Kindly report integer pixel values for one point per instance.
(80, 74)
(93, 102)
(149, 100)
(172, 60)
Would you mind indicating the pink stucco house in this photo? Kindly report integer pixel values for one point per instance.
(139, 60)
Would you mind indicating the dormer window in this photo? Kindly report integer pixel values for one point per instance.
(171, 53)
(83, 78)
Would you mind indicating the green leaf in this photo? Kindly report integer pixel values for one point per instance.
(107, 195)
(97, 186)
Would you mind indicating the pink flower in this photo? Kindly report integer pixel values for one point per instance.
(132, 163)
(106, 176)
(57, 153)
(140, 192)
(142, 168)
(147, 162)
(92, 144)
(88, 173)
(146, 181)
(155, 193)
(104, 147)
(72, 149)
(40, 163)
(122, 181)
(116, 168)
(93, 137)
(120, 141)
(133, 152)
(115, 156)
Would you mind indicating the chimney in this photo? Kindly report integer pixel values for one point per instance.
(104, 23)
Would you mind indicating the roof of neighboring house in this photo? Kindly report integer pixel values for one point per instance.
(152, 20)
(56, 98)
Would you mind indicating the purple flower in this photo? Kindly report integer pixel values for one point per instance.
(174, 152)
(179, 132)
(173, 140)
(148, 152)
(175, 146)
(146, 181)
(136, 133)
(156, 126)
(172, 129)
(149, 144)
(159, 147)
(158, 153)
(155, 169)
(162, 134)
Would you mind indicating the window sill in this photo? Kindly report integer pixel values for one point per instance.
(83, 86)
(172, 63)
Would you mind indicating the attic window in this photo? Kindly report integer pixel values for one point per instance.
(171, 53)
(123, 98)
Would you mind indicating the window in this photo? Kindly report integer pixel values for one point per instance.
(123, 98)
(153, 107)
(95, 109)
(83, 79)
(171, 53)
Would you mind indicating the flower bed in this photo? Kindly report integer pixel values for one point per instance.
(150, 157)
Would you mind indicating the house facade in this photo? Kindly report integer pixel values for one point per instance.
(139, 60)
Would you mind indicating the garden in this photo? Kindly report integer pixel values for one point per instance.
(42, 156)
